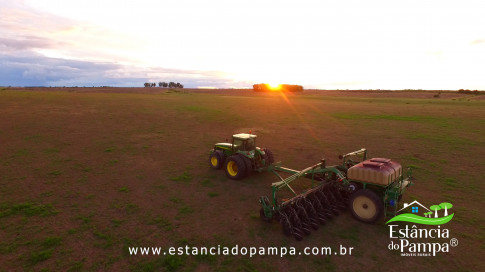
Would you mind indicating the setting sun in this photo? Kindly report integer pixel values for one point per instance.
(274, 87)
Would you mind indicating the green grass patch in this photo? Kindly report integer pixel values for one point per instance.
(23, 152)
(6, 248)
(326, 263)
(185, 177)
(173, 263)
(47, 194)
(90, 196)
(124, 189)
(40, 256)
(26, 209)
(412, 118)
(106, 240)
(131, 208)
(162, 223)
(116, 223)
(161, 187)
(72, 231)
(85, 219)
(206, 183)
(51, 150)
(414, 159)
(213, 194)
(451, 182)
(198, 109)
(55, 173)
(176, 200)
(351, 234)
(113, 162)
(76, 266)
(34, 138)
(412, 166)
(166, 263)
(443, 139)
(186, 210)
(206, 258)
(51, 242)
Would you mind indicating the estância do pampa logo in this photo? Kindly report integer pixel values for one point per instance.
(427, 219)
(426, 240)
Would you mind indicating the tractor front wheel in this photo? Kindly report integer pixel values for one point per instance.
(269, 157)
(216, 159)
(366, 206)
(235, 167)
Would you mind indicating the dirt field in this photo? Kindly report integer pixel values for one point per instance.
(86, 173)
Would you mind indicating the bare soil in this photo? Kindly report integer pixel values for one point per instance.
(87, 172)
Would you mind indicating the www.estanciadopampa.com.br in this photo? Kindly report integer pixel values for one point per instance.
(240, 251)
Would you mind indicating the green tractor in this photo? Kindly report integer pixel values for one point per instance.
(241, 157)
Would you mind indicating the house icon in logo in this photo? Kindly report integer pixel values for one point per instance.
(414, 207)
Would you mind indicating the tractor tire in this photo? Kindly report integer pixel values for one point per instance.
(269, 157)
(216, 159)
(235, 167)
(249, 165)
(366, 206)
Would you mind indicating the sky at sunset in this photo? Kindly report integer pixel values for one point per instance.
(233, 44)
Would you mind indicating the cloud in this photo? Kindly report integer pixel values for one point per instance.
(22, 43)
(42, 49)
(479, 41)
(33, 69)
(19, 19)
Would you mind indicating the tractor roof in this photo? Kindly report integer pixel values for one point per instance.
(244, 136)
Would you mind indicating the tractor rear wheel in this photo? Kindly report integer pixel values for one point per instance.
(249, 165)
(235, 167)
(269, 158)
(216, 159)
(366, 206)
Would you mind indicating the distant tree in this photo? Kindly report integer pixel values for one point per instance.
(165, 84)
(154, 84)
(147, 84)
(171, 84)
(177, 85)
(160, 84)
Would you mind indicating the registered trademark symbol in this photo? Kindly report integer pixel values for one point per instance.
(453, 242)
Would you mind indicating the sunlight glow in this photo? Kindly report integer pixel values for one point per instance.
(274, 87)
(298, 114)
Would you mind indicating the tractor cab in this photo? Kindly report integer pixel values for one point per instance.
(243, 142)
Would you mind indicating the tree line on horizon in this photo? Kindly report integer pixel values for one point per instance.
(162, 84)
